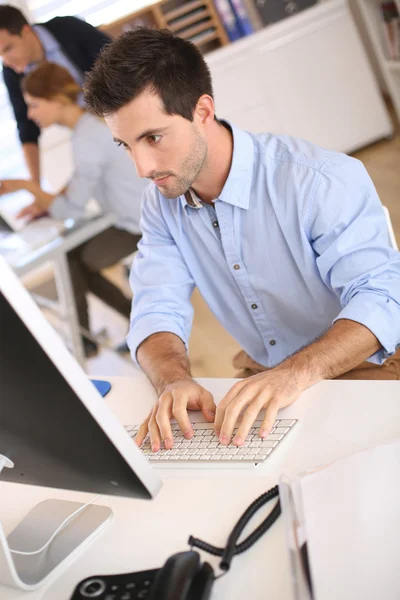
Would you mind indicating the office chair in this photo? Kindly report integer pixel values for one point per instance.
(392, 237)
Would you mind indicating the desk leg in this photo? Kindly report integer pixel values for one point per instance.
(68, 306)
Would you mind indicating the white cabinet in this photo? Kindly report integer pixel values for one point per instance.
(307, 76)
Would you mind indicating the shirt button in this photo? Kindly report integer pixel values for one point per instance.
(215, 224)
(236, 267)
(272, 343)
(254, 306)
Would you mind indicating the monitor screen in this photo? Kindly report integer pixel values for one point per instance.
(54, 425)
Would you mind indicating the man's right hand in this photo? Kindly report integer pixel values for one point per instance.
(176, 399)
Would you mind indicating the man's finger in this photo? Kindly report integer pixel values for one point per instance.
(233, 410)
(270, 417)
(154, 432)
(179, 411)
(249, 416)
(208, 407)
(143, 431)
(226, 400)
(162, 417)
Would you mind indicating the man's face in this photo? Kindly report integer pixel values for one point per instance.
(167, 149)
(16, 50)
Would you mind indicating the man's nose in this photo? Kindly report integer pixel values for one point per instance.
(143, 163)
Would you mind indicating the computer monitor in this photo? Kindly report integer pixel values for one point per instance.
(57, 431)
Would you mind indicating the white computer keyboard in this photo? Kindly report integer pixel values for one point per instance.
(204, 445)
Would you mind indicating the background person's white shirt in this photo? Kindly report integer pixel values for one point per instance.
(102, 171)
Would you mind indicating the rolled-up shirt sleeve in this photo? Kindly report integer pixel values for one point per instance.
(161, 282)
(349, 234)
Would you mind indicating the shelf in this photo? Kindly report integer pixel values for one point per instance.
(204, 38)
(183, 10)
(191, 32)
(196, 21)
(180, 23)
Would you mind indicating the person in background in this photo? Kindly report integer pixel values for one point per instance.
(286, 241)
(67, 41)
(101, 171)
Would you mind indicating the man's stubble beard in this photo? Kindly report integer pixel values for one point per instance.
(190, 169)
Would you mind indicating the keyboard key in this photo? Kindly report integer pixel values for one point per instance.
(203, 425)
(281, 430)
(267, 443)
(286, 423)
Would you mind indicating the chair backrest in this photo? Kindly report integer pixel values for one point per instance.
(392, 237)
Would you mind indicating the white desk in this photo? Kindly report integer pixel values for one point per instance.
(26, 257)
(335, 419)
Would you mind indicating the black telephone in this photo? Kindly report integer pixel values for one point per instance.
(183, 577)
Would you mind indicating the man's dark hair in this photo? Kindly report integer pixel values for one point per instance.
(148, 59)
(11, 19)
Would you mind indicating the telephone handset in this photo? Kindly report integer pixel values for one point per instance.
(183, 577)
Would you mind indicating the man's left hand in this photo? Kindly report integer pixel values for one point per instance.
(271, 390)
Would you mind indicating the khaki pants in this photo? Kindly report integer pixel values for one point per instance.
(85, 264)
(389, 370)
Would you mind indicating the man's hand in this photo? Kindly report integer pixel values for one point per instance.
(32, 211)
(271, 390)
(8, 186)
(176, 399)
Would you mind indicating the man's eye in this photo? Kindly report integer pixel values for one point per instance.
(122, 144)
(154, 139)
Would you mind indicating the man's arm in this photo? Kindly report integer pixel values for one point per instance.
(344, 346)
(28, 131)
(163, 358)
(32, 160)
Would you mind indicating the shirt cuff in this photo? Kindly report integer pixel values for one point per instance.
(145, 327)
(379, 314)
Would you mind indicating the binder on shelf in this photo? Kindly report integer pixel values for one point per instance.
(242, 18)
(228, 19)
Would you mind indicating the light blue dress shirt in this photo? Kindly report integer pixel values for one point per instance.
(54, 53)
(296, 239)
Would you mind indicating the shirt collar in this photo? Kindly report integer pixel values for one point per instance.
(236, 190)
(49, 43)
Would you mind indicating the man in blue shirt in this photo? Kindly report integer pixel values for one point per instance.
(286, 242)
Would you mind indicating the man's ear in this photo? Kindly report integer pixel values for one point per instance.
(26, 29)
(205, 110)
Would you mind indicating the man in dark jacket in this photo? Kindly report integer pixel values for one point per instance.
(67, 41)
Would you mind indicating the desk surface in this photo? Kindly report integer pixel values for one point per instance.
(43, 239)
(336, 418)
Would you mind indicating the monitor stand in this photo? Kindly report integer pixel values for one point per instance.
(31, 572)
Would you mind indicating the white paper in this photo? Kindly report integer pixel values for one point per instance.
(351, 511)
